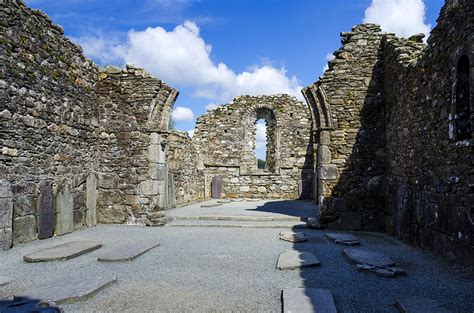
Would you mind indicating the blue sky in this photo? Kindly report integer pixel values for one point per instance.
(212, 50)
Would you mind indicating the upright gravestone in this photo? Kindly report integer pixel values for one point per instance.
(6, 212)
(46, 211)
(91, 200)
(216, 187)
(65, 206)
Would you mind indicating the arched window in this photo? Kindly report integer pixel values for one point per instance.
(265, 139)
(462, 106)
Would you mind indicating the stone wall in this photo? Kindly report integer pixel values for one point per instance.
(48, 129)
(186, 179)
(347, 108)
(393, 122)
(225, 139)
(430, 172)
(134, 108)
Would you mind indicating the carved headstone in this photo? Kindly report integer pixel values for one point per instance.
(216, 187)
(46, 211)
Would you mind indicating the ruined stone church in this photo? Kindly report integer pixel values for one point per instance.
(383, 141)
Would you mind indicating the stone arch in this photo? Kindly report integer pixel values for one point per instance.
(266, 112)
(316, 98)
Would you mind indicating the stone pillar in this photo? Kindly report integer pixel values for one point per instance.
(6, 214)
(64, 210)
(154, 187)
(325, 170)
(91, 200)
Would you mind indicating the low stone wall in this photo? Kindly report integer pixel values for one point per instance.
(134, 108)
(48, 129)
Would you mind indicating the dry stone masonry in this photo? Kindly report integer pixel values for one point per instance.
(383, 142)
(225, 139)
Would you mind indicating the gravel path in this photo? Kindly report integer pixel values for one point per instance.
(233, 269)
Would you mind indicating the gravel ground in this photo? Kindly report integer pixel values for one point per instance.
(262, 208)
(233, 269)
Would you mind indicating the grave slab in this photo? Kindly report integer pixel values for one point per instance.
(253, 200)
(293, 236)
(419, 305)
(126, 252)
(223, 201)
(5, 280)
(210, 205)
(308, 300)
(344, 239)
(237, 200)
(293, 259)
(68, 289)
(367, 257)
(63, 252)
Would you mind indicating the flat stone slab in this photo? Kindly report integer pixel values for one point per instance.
(223, 201)
(308, 300)
(313, 223)
(237, 200)
(344, 239)
(293, 236)
(68, 289)
(5, 280)
(419, 305)
(367, 257)
(63, 252)
(127, 252)
(253, 200)
(292, 259)
(210, 205)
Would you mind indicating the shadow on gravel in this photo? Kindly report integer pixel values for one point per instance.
(298, 208)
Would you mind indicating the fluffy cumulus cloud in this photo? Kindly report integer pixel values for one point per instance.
(402, 17)
(261, 140)
(181, 57)
(182, 114)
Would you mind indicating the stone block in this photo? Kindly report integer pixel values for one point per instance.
(24, 229)
(63, 252)
(91, 199)
(293, 259)
(156, 153)
(68, 289)
(308, 300)
(328, 171)
(293, 236)
(5, 238)
(108, 180)
(324, 154)
(64, 207)
(152, 187)
(157, 171)
(127, 252)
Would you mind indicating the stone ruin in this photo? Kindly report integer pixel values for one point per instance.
(383, 142)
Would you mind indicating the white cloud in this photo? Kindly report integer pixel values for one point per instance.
(402, 17)
(190, 132)
(181, 57)
(261, 140)
(329, 57)
(182, 114)
(211, 106)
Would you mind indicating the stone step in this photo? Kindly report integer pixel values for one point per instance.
(236, 218)
(308, 300)
(126, 252)
(68, 289)
(63, 252)
(293, 259)
(236, 224)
